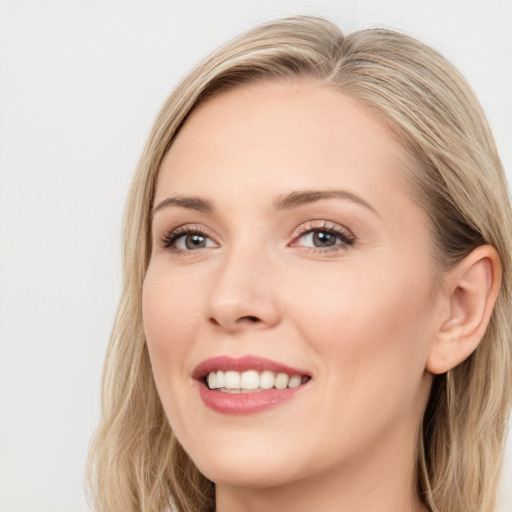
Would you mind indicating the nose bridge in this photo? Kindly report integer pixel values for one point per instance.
(242, 292)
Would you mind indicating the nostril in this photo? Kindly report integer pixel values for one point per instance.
(253, 319)
(240, 321)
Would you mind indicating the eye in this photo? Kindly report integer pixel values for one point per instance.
(187, 239)
(324, 238)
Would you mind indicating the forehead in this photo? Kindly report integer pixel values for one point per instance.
(269, 136)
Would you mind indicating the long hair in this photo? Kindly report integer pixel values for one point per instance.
(136, 463)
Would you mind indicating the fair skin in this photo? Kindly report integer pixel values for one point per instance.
(339, 286)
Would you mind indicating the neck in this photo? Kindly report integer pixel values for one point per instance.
(384, 482)
(318, 495)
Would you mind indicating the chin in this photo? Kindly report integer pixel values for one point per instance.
(248, 473)
(246, 463)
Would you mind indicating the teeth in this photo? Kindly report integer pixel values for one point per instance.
(212, 381)
(281, 381)
(219, 379)
(267, 380)
(231, 380)
(251, 380)
(295, 380)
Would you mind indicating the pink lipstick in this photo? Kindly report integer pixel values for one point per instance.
(248, 384)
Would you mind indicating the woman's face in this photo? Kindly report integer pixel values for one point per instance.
(285, 241)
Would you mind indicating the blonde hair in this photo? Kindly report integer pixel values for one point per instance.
(136, 462)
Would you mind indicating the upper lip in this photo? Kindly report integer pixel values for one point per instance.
(241, 364)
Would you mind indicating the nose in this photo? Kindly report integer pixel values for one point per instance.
(243, 294)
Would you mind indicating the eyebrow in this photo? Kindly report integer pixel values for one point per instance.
(193, 203)
(299, 198)
(284, 202)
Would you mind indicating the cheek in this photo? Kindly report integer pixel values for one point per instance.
(369, 332)
(171, 310)
(367, 318)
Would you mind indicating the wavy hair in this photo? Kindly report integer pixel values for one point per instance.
(136, 464)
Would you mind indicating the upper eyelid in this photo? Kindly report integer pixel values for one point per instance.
(327, 225)
(346, 236)
(301, 230)
(184, 228)
(180, 231)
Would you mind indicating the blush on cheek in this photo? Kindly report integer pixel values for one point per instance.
(171, 314)
(365, 323)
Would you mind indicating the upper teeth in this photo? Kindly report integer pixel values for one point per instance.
(252, 379)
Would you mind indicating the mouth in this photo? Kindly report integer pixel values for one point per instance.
(248, 384)
(252, 381)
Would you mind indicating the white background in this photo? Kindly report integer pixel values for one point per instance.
(80, 84)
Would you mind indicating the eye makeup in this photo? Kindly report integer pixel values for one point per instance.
(321, 238)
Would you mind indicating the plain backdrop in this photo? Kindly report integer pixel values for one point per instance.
(80, 84)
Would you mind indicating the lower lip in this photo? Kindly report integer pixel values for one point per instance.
(245, 403)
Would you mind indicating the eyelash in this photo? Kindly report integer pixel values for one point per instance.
(170, 239)
(346, 239)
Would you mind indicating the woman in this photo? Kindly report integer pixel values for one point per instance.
(316, 304)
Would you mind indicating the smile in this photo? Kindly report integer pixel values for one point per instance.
(252, 380)
(246, 385)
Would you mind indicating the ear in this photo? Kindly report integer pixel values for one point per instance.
(470, 293)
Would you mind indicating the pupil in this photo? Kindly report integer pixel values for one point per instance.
(323, 239)
(195, 241)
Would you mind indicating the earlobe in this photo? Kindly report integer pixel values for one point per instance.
(471, 291)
